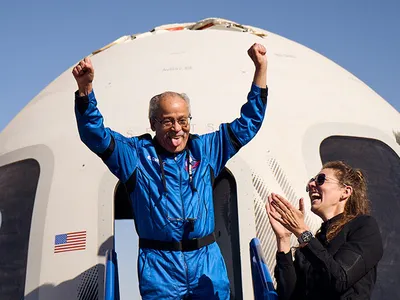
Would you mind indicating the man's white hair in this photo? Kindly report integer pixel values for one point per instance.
(154, 104)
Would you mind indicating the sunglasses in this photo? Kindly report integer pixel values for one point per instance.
(320, 180)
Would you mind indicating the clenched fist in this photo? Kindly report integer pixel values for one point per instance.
(84, 74)
(257, 53)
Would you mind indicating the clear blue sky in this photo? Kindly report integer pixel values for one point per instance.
(41, 39)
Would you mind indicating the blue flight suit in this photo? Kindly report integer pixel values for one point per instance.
(173, 202)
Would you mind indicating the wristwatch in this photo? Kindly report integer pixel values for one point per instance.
(305, 237)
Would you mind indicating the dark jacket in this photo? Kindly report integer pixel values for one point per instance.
(344, 268)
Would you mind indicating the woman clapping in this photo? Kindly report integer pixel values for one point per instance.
(340, 261)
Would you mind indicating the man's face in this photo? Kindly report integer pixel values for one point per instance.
(172, 124)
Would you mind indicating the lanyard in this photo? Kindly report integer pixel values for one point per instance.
(189, 161)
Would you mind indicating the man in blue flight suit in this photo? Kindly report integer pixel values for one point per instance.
(169, 180)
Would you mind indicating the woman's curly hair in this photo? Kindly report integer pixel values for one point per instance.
(358, 203)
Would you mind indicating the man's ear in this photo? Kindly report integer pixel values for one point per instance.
(152, 125)
(347, 191)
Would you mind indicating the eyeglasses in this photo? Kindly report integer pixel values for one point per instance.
(169, 122)
(320, 180)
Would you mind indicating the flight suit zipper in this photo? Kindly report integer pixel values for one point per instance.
(184, 220)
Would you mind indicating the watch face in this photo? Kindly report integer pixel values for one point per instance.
(305, 237)
(308, 236)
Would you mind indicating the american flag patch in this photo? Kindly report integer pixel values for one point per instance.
(71, 241)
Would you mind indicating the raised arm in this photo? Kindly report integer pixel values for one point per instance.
(89, 119)
(84, 74)
(230, 137)
(258, 55)
(117, 152)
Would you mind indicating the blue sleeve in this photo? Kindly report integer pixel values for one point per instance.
(117, 152)
(227, 141)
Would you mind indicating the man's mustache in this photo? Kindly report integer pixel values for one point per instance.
(179, 134)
